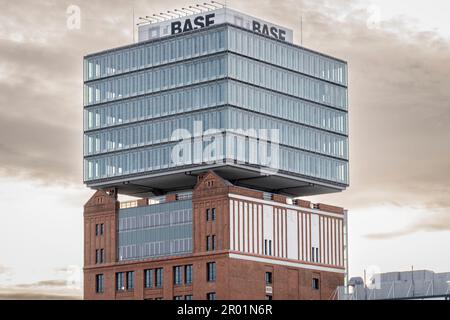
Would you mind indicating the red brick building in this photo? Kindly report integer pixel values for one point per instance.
(218, 242)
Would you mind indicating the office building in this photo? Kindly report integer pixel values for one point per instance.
(217, 122)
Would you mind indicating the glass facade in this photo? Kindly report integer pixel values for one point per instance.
(232, 83)
(156, 230)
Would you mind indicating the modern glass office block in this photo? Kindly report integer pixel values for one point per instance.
(261, 112)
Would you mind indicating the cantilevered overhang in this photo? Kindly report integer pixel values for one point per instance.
(159, 183)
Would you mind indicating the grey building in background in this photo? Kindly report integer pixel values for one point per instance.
(406, 285)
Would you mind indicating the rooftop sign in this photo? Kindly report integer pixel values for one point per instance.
(209, 18)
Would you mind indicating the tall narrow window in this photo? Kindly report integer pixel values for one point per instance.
(213, 214)
(265, 247)
(270, 247)
(268, 278)
(148, 278)
(99, 283)
(120, 281)
(159, 277)
(315, 283)
(207, 214)
(177, 275)
(188, 274)
(99, 256)
(211, 271)
(130, 280)
(208, 239)
(213, 242)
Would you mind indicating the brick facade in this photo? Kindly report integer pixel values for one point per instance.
(236, 278)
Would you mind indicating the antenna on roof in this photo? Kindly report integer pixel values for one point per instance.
(301, 31)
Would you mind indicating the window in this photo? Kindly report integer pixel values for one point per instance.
(267, 247)
(208, 238)
(268, 278)
(177, 275)
(211, 296)
(120, 281)
(159, 277)
(99, 229)
(315, 283)
(268, 297)
(207, 214)
(130, 280)
(148, 278)
(315, 254)
(188, 297)
(188, 274)
(99, 283)
(211, 271)
(213, 242)
(178, 298)
(213, 214)
(158, 298)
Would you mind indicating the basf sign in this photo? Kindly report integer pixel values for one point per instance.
(214, 17)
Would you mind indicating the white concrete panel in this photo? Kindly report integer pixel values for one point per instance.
(268, 222)
(315, 231)
(325, 245)
(241, 224)
(245, 233)
(292, 234)
(231, 224)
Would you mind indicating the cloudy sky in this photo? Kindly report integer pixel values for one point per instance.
(399, 70)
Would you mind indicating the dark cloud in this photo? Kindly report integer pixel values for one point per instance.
(42, 290)
(44, 283)
(433, 222)
(398, 92)
(18, 295)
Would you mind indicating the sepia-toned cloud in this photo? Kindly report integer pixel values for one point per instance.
(398, 93)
